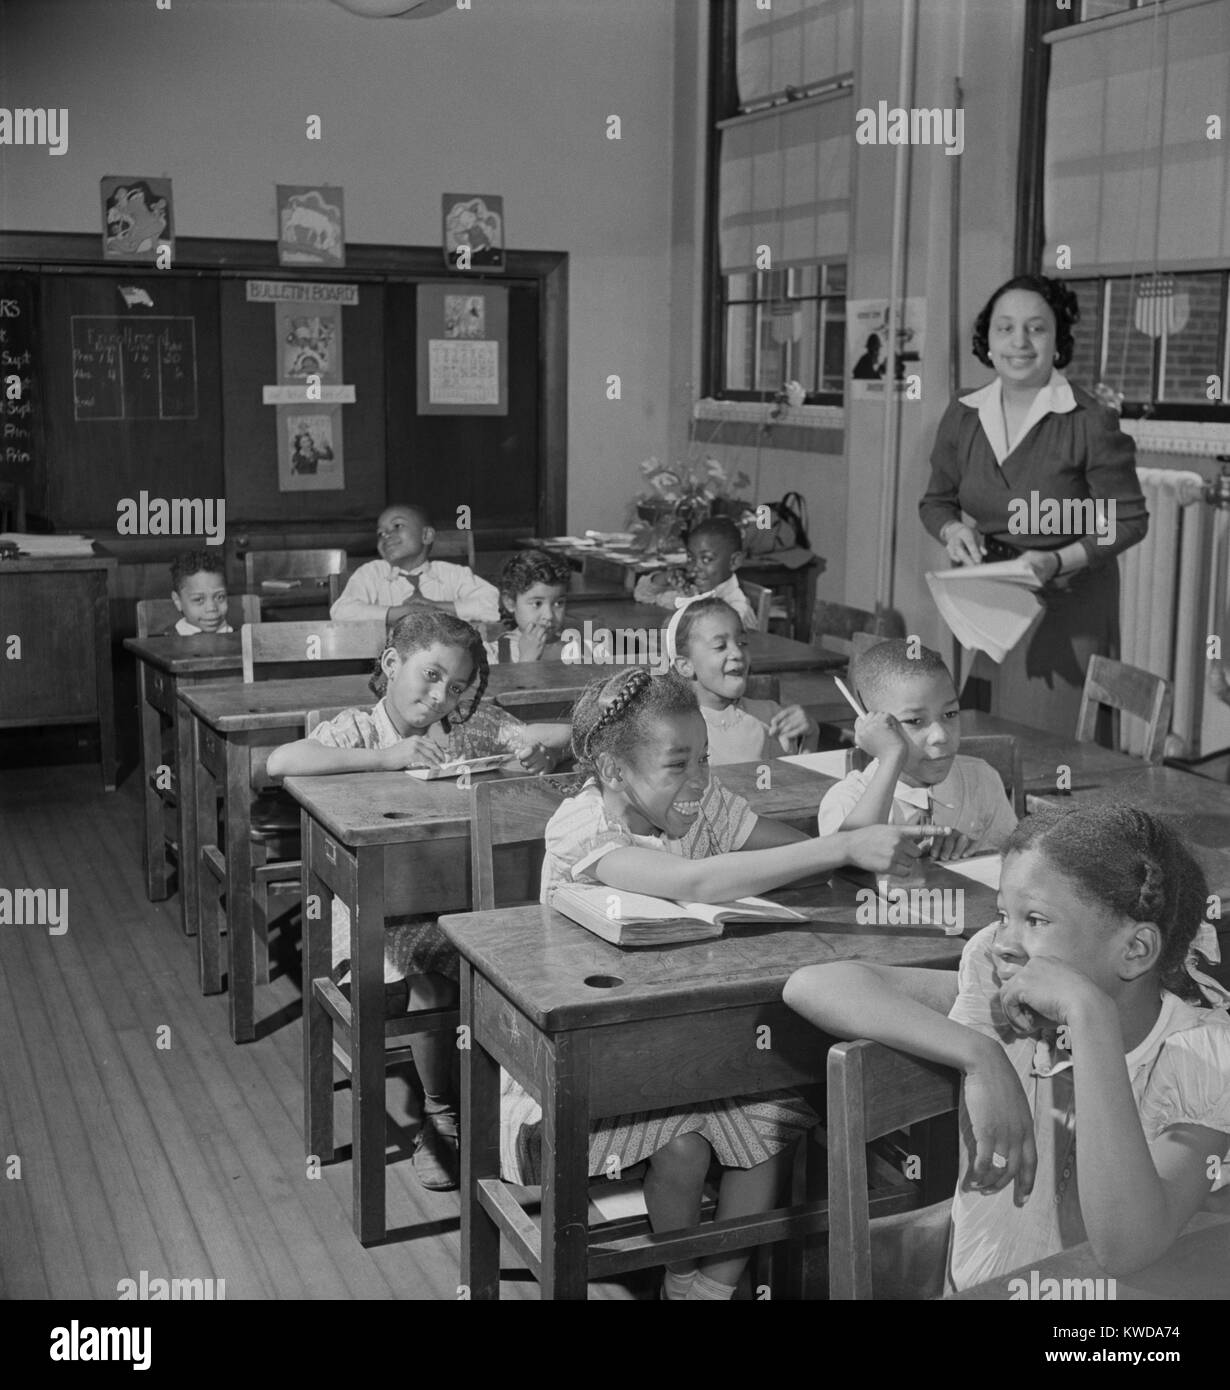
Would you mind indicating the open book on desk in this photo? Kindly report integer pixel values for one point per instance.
(636, 919)
(988, 607)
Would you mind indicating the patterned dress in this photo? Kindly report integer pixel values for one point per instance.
(412, 945)
(743, 1131)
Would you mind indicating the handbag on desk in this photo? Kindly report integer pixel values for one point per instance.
(785, 538)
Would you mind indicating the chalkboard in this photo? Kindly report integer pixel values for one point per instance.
(134, 369)
(22, 458)
(131, 390)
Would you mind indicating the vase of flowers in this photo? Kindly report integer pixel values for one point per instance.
(677, 496)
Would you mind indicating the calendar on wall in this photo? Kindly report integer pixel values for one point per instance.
(462, 343)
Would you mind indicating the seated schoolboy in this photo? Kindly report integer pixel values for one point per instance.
(715, 550)
(405, 576)
(198, 588)
(913, 731)
(708, 647)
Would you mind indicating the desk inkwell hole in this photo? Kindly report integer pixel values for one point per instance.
(603, 981)
(397, 815)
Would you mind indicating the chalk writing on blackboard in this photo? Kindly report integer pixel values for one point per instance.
(19, 407)
(134, 369)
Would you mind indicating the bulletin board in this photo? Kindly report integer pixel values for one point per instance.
(462, 349)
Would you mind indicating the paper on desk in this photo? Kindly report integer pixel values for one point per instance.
(989, 608)
(832, 762)
(982, 868)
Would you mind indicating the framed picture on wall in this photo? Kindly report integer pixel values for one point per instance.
(136, 217)
(473, 231)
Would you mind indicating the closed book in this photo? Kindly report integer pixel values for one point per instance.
(636, 919)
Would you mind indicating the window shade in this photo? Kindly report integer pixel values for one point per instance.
(785, 184)
(1114, 94)
(796, 43)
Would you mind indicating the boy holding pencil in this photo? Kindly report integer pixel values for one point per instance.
(910, 723)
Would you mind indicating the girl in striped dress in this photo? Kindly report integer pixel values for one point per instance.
(651, 821)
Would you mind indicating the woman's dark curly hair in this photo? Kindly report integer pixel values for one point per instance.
(1061, 301)
(613, 714)
(424, 628)
(527, 568)
(1132, 863)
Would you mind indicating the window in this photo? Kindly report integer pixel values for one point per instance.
(1134, 192)
(781, 143)
(1099, 9)
(1159, 350)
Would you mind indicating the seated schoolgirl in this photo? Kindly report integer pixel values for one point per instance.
(652, 821)
(1095, 1053)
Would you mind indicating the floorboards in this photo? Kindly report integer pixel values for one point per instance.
(147, 1140)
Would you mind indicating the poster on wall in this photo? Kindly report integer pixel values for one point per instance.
(462, 348)
(310, 226)
(310, 449)
(309, 343)
(869, 324)
(473, 231)
(136, 218)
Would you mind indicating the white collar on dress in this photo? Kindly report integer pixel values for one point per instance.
(1055, 398)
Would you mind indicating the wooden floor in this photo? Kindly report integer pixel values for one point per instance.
(183, 1160)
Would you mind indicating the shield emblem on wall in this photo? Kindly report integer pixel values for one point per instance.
(1160, 308)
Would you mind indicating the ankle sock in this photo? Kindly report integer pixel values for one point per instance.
(677, 1287)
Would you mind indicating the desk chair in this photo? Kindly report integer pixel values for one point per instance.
(318, 649)
(508, 819)
(836, 625)
(1002, 751)
(457, 547)
(1131, 690)
(761, 600)
(884, 1246)
(157, 703)
(259, 565)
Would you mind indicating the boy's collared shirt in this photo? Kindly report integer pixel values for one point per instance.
(377, 586)
(183, 628)
(970, 799)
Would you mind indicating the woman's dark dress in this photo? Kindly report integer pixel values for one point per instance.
(1078, 454)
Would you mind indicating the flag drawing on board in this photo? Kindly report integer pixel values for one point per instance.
(1159, 309)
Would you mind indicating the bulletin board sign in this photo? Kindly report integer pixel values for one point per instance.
(462, 349)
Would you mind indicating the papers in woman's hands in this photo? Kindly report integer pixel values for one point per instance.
(988, 607)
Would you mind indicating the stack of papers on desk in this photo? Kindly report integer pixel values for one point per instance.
(53, 546)
(982, 868)
(832, 762)
(988, 607)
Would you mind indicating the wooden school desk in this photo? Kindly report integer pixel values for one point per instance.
(592, 1031)
(1197, 1266)
(390, 845)
(165, 665)
(600, 565)
(60, 609)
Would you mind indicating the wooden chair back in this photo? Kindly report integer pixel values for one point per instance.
(1002, 751)
(317, 645)
(1131, 690)
(764, 688)
(761, 600)
(155, 615)
(259, 565)
(511, 814)
(873, 1090)
(457, 547)
(835, 624)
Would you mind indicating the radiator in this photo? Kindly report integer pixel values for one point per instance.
(1168, 605)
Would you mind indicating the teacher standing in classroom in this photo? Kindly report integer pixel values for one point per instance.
(1010, 456)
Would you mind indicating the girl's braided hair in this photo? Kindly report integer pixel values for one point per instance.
(1132, 863)
(427, 627)
(614, 713)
